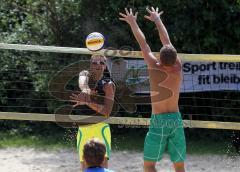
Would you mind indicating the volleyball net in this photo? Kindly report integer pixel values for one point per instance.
(36, 82)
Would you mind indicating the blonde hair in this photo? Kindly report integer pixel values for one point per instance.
(98, 55)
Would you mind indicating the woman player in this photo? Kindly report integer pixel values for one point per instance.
(96, 98)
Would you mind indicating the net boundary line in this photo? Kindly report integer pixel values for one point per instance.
(132, 121)
(118, 53)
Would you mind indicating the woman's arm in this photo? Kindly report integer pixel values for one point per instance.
(89, 100)
(83, 81)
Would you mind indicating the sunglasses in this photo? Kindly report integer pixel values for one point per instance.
(98, 62)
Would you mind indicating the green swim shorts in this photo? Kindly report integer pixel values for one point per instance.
(165, 133)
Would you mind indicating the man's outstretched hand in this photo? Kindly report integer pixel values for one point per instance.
(154, 15)
(129, 17)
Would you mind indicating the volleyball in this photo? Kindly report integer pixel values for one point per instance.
(95, 41)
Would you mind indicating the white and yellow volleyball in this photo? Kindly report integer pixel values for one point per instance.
(95, 41)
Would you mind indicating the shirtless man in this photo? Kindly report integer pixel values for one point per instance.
(165, 77)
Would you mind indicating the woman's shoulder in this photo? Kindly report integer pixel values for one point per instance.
(109, 84)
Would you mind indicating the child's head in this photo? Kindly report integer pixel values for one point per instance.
(94, 152)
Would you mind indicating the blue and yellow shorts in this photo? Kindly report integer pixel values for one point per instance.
(100, 131)
(165, 133)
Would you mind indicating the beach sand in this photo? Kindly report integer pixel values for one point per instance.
(66, 160)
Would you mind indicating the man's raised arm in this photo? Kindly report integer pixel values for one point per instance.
(154, 16)
(130, 18)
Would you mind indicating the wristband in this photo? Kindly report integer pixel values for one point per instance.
(156, 18)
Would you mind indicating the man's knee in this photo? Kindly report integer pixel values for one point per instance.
(149, 166)
(179, 167)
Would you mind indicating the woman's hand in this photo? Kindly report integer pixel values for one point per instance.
(80, 99)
